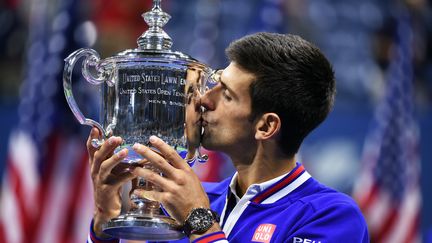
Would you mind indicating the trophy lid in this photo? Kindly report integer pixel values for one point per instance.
(154, 43)
(155, 38)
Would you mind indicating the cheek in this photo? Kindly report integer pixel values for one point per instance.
(238, 126)
(235, 110)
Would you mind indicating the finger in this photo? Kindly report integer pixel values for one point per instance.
(122, 178)
(104, 152)
(116, 181)
(107, 165)
(154, 178)
(94, 134)
(156, 160)
(169, 153)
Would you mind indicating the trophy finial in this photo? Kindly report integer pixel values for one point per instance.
(155, 38)
(156, 4)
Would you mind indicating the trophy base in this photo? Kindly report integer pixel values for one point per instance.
(143, 227)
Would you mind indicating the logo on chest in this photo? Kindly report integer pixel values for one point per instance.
(264, 233)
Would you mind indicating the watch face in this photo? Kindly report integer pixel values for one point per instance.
(201, 219)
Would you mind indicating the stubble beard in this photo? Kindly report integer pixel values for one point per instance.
(207, 139)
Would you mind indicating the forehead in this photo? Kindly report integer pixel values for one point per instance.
(236, 78)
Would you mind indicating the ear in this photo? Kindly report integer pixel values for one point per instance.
(268, 126)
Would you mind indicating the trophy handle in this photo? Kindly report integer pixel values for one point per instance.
(104, 73)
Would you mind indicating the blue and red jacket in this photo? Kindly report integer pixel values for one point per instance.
(292, 208)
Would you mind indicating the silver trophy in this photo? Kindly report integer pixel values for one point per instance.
(146, 91)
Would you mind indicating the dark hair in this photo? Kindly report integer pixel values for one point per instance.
(292, 79)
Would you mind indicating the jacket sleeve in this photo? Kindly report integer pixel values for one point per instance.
(216, 237)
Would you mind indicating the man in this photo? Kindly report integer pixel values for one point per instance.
(275, 91)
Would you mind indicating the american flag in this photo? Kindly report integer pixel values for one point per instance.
(46, 191)
(388, 189)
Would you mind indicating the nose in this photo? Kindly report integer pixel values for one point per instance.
(208, 101)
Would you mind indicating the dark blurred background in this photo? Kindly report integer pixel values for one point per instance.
(357, 37)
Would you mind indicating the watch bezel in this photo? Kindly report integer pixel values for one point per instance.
(200, 220)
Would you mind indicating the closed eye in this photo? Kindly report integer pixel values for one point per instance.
(226, 95)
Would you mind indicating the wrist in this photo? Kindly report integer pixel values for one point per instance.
(98, 222)
(100, 237)
(212, 230)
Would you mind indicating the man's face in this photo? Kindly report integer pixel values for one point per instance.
(226, 121)
(193, 111)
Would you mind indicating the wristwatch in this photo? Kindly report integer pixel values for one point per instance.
(199, 221)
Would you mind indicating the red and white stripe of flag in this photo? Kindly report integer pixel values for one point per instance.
(54, 208)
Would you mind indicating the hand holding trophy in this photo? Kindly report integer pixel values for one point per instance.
(146, 91)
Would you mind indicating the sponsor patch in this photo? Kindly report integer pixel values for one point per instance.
(264, 233)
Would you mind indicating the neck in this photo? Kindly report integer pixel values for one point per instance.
(265, 165)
